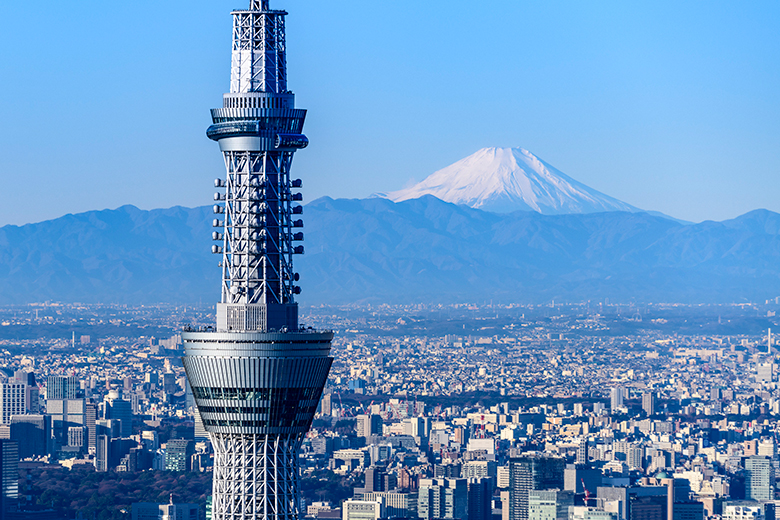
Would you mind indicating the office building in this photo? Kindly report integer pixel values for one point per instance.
(63, 387)
(77, 436)
(103, 445)
(578, 477)
(531, 472)
(9, 475)
(374, 479)
(443, 498)
(65, 413)
(326, 405)
(479, 469)
(648, 403)
(362, 510)
(688, 511)
(758, 479)
(637, 502)
(110, 452)
(31, 433)
(90, 418)
(13, 401)
(397, 505)
(615, 399)
(117, 409)
(178, 454)
(480, 498)
(368, 425)
(551, 504)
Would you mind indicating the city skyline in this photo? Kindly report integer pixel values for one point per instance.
(674, 113)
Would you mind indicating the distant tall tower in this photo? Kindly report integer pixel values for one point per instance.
(257, 378)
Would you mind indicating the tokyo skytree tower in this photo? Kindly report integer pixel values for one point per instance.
(258, 376)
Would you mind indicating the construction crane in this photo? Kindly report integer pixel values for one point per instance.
(587, 493)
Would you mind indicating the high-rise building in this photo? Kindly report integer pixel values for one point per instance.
(582, 451)
(326, 405)
(758, 478)
(550, 504)
(65, 413)
(445, 498)
(112, 429)
(531, 472)
(9, 475)
(32, 393)
(765, 372)
(62, 387)
(648, 403)
(178, 453)
(200, 430)
(374, 479)
(110, 452)
(368, 425)
(31, 433)
(90, 416)
(257, 379)
(13, 401)
(480, 498)
(102, 452)
(637, 502)
(77, 436)
(615, 399)
(479, 469)
(117, 409)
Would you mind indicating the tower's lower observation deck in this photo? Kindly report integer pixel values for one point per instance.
(257, 393)
(257, 382)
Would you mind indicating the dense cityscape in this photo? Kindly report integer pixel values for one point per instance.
(255, 407)
(615, 412)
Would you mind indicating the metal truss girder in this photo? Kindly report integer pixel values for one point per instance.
(259, 52)
(254, 270)
(255, 476)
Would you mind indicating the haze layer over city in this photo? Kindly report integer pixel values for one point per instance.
(516, 261)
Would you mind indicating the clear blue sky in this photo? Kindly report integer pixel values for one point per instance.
(668, 105)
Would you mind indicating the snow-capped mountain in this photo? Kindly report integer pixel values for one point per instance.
(503, 180)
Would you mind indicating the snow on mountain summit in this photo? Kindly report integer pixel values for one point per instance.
(503, 180)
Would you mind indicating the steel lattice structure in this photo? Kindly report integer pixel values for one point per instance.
(258, 377)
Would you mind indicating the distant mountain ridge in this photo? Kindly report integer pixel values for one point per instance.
(504, 180)
(420, 250)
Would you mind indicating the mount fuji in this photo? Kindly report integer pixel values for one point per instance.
(503, 180)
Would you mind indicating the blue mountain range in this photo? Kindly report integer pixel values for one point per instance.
(420, 250)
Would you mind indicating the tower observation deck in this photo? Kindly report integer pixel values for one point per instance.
(257, 377)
